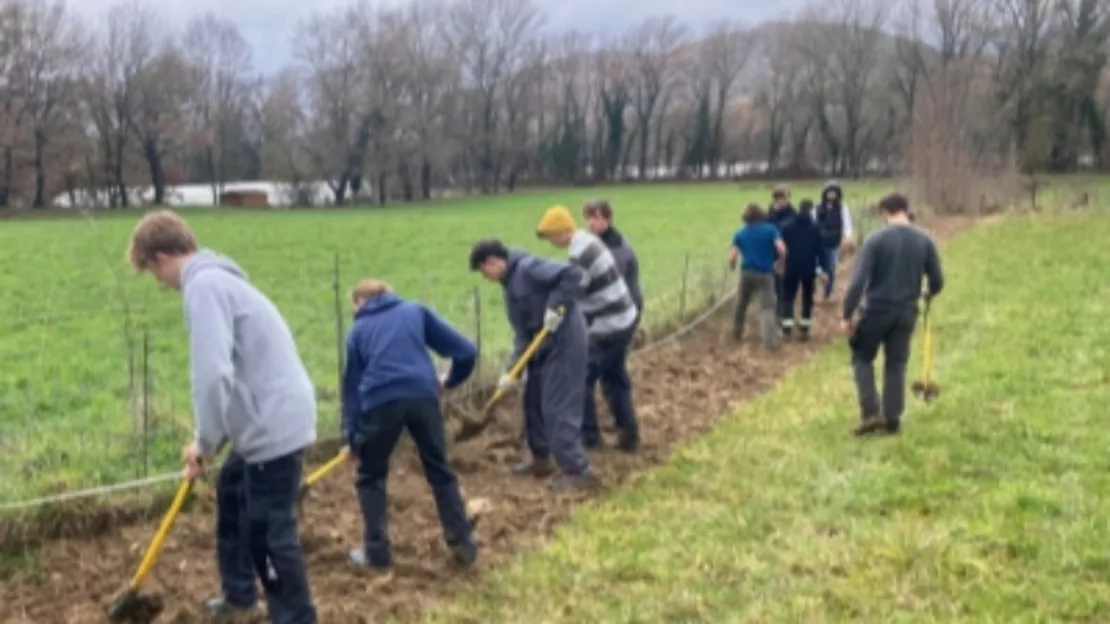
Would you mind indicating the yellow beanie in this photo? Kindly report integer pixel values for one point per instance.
(555, 219)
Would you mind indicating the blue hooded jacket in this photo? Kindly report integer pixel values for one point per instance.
(387, 356)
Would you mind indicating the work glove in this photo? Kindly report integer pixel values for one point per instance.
(505, 383)
(552, 319)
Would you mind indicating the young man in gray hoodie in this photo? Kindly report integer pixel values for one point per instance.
(250, 389)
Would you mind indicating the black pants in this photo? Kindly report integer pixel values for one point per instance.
(893, 331)
(256, 535)
(609, 365)
(374, 441)
(791, 284)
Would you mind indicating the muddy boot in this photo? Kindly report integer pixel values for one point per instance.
(538, 468)
(787, 330)
(575, 481)
(220, 610)
(803, 334)
(628, 441)
(464, 555)
(869, 425)
(357, 558)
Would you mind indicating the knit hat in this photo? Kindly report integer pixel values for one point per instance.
(556, 219)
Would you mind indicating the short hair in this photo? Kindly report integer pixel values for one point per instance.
(754, 213)
(369, 288)
(894, 203)
(484, 250)
(780, 192)
(161, 232)
(597, 208)
(806, 205)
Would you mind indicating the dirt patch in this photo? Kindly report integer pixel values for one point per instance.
(682, 390)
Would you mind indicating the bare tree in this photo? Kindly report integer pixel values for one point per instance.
(219, 64)
(489, 38)
(653, 45)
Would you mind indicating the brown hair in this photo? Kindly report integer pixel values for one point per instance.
(780, 192)
(597, 208)
(894, 203)
(754, 213)
(368, 289)
(161, 232)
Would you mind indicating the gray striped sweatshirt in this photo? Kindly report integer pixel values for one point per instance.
(604, 297)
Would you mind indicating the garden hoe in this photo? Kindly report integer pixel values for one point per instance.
(927, 390)
(472, 428)
(318, 475)
(131, 606)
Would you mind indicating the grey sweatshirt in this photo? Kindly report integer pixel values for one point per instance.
(890, 268)
(249, 385)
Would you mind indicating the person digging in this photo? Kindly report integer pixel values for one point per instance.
(541, 294)
(888, 273)
(390, 385)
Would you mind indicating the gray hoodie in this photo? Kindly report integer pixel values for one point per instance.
(249, 384)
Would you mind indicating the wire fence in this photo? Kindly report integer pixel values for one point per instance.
(96, 400)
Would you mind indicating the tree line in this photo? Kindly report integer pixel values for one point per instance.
(480, 96)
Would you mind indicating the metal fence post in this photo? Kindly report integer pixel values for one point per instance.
(146, 401)
(477, 297)
(339, 342)
(682, 297)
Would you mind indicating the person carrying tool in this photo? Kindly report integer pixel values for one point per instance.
(611, 316)
(540, 294)
(834, 219)
(760, 244)
(803, 248)
(250, 389)
(612, 372)
(389, 385)
(888, 275)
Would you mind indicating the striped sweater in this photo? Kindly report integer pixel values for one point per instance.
(604, 298)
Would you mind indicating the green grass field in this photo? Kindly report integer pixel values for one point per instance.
(991, 507)
(74, 318)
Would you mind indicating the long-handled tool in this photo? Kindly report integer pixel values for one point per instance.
(472, 428)
(318, 475)
(132, 606)
(927, 389)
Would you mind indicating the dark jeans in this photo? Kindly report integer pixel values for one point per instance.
(609, 365)
(374, 441)
(892, 331)
(791, 284)
(827, 264)
(256, 534)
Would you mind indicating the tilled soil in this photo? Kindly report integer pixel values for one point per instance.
(682, 389)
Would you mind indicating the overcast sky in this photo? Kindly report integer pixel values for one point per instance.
(268, 24)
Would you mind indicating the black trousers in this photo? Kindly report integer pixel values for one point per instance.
(792, 283)
(377, 433)
(256, 536)
(893, 332)
(609, 366)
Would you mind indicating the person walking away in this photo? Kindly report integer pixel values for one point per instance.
(803, 248)
(834, 219)
(541, 293)
(611, 314)
(760, 244)
(888, 276)
(390, 384)
(250, 389)
(781, 213)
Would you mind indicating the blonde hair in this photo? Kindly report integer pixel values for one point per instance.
(368, 289)
(161, 232)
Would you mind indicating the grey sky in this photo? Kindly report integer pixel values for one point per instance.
(268, 24)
